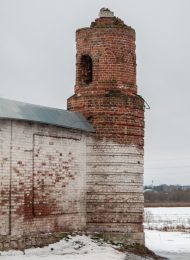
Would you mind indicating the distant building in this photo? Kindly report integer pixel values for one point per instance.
(81, 169)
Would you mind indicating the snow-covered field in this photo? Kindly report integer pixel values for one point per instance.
(167, 218)
(159, 241)
(171, 244)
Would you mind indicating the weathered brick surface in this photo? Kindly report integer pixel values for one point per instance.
(114, 188)
(5, 147)
(109, 100)
(59, 180)
(56, 175)
(112, 49)
(43, 179)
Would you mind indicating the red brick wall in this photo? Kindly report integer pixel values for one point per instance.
(115, 115)
(110, 102)
(112, 50)
(48, 174)
(115, 153)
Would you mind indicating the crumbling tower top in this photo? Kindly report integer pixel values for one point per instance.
(107, 19)
(105, 12)
(106, 56)
(105, 88)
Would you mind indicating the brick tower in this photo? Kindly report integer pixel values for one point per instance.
(106, 94)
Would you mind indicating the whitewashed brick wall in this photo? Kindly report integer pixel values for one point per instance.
(42, 178)
(115, 190)
(53, 179)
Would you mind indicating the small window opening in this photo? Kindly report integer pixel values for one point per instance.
(86, 69)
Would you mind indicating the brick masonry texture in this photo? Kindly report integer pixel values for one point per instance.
(59, 180)
(115, 190)
(109, 100)
(43, 179)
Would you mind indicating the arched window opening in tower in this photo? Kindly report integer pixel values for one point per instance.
(86, 69)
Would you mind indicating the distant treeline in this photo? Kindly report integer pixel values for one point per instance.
(169, 195)
(165, 187)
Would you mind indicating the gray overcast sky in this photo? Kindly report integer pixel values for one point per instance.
(37, 65)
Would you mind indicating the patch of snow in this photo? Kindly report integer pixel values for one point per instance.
(75, 247)
(173, 245)
(159, 241)
(159, 218)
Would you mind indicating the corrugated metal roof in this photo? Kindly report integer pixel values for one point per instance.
(22, 111)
